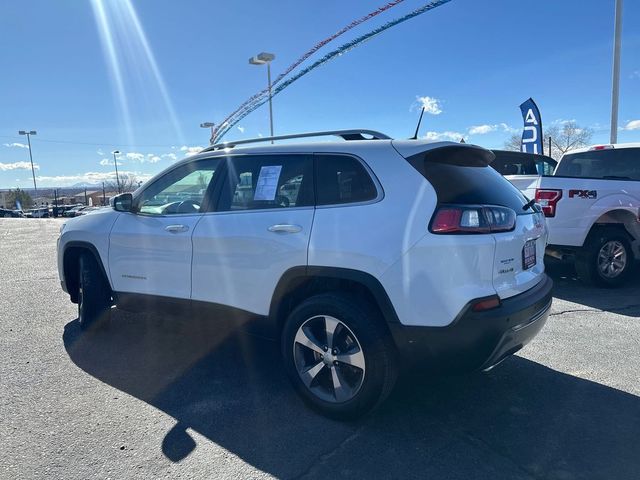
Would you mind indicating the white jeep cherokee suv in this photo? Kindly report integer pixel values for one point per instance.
(358, 255)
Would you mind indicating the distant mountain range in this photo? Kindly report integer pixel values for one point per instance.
(85, 185)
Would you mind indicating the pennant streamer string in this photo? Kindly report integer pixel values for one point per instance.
(314, 49)
(248, 108)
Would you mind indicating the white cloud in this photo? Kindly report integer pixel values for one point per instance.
(562, 121)
(486, 128)
(632, 125)
(100, 152)
(635, 74)
(18, 166)
(170, 156)
(136, 157)
(241, 129)
(88, 177)
(508, 128)
(482, 129)
(106, 161)
(431, 105)
(16, 145)
(190, 150)
(442, 136)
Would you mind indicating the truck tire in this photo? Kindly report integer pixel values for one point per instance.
(94, 295)
(339, 355)
(606, 259)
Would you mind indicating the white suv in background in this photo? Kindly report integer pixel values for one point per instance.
(359, 256)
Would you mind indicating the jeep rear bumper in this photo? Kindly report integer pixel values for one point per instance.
(477, 340)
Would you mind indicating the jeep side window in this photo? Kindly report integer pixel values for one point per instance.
(267, 181)
(342, 179)
(180, 191)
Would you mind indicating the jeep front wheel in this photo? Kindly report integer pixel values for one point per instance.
(339, 355)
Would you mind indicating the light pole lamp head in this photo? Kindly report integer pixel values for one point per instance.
(116, 152)
(24, 132)
(262, 58)
(207, 125)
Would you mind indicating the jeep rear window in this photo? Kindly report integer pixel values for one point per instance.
(469, 185)
(622, 164)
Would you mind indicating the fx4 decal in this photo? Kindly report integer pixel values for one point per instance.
(583, 193)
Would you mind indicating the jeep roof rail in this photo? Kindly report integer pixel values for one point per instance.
(354, 134)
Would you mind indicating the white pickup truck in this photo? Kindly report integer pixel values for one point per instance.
(592, 205)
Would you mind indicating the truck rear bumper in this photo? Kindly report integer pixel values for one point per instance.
(477, 340)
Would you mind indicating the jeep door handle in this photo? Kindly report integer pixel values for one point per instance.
(285, 228)
(176, 228)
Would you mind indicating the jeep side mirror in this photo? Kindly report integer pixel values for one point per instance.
(122, 202)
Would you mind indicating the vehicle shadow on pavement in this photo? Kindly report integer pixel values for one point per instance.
(566, 286)
(521, 420)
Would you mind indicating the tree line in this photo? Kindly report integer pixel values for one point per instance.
(564, 137)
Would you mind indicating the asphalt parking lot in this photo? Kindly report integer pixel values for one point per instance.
(185, 398)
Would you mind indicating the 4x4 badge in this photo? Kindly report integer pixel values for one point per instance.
(583, 193)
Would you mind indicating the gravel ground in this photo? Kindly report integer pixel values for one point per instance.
(183, 398)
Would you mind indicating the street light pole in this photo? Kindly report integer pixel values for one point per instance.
(261, 59)
(28, 133)
(208, 125)
(615, 87)
(270, 104)
(115, 162)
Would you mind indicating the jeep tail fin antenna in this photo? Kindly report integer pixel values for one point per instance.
(415, 135)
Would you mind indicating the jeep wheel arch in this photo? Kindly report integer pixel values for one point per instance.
(71, 260)
(298, 283)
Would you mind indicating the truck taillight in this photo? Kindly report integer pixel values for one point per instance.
(548, 199)
(469, 219)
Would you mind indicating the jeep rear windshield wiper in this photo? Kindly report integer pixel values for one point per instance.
(529, 204)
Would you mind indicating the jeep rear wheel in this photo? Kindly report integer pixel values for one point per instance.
(606, 258)
(339, 355)
(94, 294)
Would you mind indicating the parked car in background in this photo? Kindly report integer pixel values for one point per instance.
(358, 256)
(592, 205)
(6, 213)
(523, 169)
(42, 212)
(58, 211)
(73, 211)
(86, 210)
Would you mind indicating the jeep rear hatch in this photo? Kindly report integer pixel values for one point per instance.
(474, 199)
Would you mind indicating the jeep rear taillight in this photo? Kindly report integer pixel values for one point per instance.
(472, 219)
(548, 199)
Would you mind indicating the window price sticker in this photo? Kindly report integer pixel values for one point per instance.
(267, 184)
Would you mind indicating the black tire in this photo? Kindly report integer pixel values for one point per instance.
(356, 320)
(588, 259)
(94, 295)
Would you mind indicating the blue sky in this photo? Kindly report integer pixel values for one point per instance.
(479, 59)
